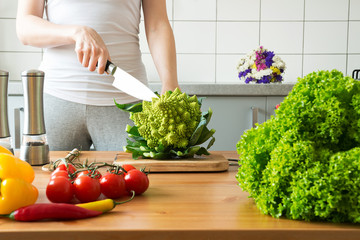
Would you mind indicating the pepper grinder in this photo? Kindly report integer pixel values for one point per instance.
(34, 147)
(5, 139)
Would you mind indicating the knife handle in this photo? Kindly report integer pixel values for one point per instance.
(109, 67)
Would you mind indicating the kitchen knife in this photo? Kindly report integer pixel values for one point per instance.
(128, 84)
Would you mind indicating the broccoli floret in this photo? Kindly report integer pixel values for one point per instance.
(304, 162)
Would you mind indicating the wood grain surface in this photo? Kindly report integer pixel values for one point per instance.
(212, 163)
(208, 205)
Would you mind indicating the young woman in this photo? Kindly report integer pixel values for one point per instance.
(79, 34)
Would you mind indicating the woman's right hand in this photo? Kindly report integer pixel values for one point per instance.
(91, 49)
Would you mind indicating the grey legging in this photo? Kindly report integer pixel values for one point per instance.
(72, 125)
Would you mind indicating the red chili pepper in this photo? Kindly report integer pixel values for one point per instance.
(52, 211)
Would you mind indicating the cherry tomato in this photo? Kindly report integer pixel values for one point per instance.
(60, 190)
(137, 181)
(71, 168)
(127, 167)
(97, 174)
(59, 173)
(113, 185)
(87, 189)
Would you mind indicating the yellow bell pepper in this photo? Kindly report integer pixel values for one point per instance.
(5, 150)
(13, 167)
(16, 189)
(16, 193)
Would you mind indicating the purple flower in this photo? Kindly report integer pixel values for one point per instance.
(249, 79)
(278, 78)
(265, 79)
(244, 73)
(269, 58)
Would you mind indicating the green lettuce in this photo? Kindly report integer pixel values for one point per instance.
(304, 162)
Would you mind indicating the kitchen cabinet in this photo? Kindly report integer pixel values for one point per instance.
(233, 115)
(271, 103)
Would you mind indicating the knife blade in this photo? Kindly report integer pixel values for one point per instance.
(128, 84)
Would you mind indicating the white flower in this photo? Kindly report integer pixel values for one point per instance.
(259, 74)
(278, 63)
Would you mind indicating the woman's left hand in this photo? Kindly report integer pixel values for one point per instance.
(171, 86)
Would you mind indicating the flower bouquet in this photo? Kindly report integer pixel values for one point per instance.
(261, 66)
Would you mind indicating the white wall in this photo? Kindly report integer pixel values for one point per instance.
(211, 35)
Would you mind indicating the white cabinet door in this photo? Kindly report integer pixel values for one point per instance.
(271, 103)
(231, 117)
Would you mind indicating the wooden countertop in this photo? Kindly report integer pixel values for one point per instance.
(177, 206)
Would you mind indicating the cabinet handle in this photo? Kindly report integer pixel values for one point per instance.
(17, 126)
(255, 114)
(355, 74)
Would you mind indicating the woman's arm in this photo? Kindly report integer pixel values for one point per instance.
(33, 30)
(161, 42)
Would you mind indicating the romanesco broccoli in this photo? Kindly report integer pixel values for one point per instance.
(169, 120)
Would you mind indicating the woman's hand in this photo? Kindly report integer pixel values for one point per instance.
(91, 49)
(169, 86)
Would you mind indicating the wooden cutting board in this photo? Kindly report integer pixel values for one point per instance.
(212, 163)
(215, 162)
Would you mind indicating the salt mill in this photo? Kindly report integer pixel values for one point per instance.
(34, 147)
(5, 139)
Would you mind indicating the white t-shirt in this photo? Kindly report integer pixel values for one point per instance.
(117, 22)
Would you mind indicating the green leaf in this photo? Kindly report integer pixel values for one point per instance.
(130, 107)
(136, 152)
(200, 100)
(147, 154)
(207, 115)
(197, 133)
(144, 148)
(160, 148)
(205, 135)
(136, 143)
(212, 141)
(202, 151)
(179, 153)
(173, 152)
(136, 138)
(134, 130)
(162, 156)
(193, 150)
(136, 155)
(204, 120)
(133, 149)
